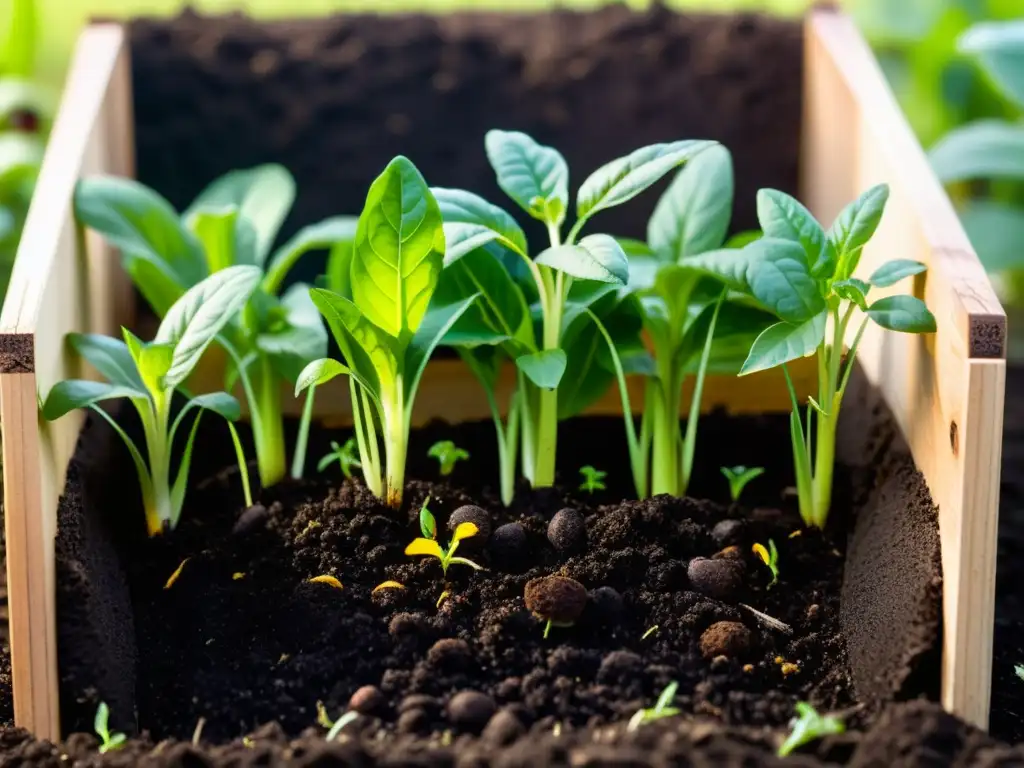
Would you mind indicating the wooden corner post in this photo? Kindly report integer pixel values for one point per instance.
(945, 390)
(57, 287)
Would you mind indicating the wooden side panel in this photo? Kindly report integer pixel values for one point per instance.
(55, 289)
(946, 389)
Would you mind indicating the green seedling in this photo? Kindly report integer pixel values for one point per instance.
(805, 277)
(649, 632)
(427, 543)
(738, 477)
(1019, 671)
(593, 479)
(770, 557)
(385, 320)
(108, 741)
(428, 525)
(345, 455)
(334, 727)
(533, 308)
(809, 726)
(447, 455)
(148, 374)
(663, 708)
(234, 221)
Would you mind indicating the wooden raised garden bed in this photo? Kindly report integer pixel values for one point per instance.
(944, 391)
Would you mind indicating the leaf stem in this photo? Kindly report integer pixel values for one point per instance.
(302, 440)
(243, 468)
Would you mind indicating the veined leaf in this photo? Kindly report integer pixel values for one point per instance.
(108, 356)
(783, 342)
(301, 339)
(329, 233)
(893, 271)
(226, 236)
(500, 312)
(461, 239)
(624, 178)
(786, 218)
(595, 257)
(533, 175)
(198, 316)
(461, 207)
(855, 225)
(781, 281)
(984, 149)
(693, 214)
(1000, 47)
(371, 353)
(544, 368)
(853, 290)
(435, 326)
(733, 266)
(907, 314)
(319, 372)
(399, 250)
(154, 361)
(68, 395)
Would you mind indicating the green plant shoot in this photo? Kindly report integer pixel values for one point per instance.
(809, 726)
(448, 455)
(345, 455)
(149, 373)
(334, 727)
(428, 525)
(532, 309)
(805, 277)
(387, 325)
(738, 477)
(430, 547)
(593, 479)
(234, 221)
(1018, 670)
(108, 741)
(770, 557)
(662, 708)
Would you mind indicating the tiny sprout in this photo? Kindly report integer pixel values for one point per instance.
(649, 632)
(345, 455)
(109, 741)
(430, 547)
(389, 585)
(174, 576)
(428, 525)
(327, 579)
(770, 557)
(808, 727)
(447, 454)
(444, 596)
(593, 479)
(334, 727)
(1019, 670)
(662, 708)
(738, 478)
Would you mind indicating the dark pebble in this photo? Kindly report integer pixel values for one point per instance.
(450, 653)
(503, 728)
(469, 513)
(368, 700)
(413, 721)
(619, 666)
(407, 624)
(254, 517)
(567, 531)
(726, 638)
(509, 541)
(419, 701)
(470, 710)
(719, 579)
(607, 605)
(556, 598)
(727, 532)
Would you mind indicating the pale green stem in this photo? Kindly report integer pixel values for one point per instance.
(692, 421)
(302, 440)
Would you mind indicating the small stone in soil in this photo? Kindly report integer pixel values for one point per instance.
(406, 624)
(720, 579)
(503, 728)
(413, 721)
(450, 653)
(567, 531)
(419, 701)
(619, 666)
(470, 710)
(726, 638)
(470, 513)
(607, 605)
(251, 519)
(726, 532)
(557, 599)
(508, 541)
(368, 700)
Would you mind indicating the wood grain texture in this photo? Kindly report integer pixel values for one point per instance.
(57, 287)
(946, 389)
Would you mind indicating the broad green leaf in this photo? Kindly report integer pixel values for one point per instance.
(643, 270)
(460, 207)
(141, 224)
(595, 257)
(198, 316)
(730, 265)
(301, 338)
(319, 372)
(739, 324)
(227, 238)
(18, 50)
(853, 290)
(154, 361)
(893, 271)
(263, 195)
(156, 281)
(784, 217)
(108, 356)
(783, 342)
(855, 225)
(676, 285)
(999, 45)
(636, 249)
(371, 354)
(693, 214)
(780, 280)
(533, 175)
(435, 326)
(220, 403)
(626, 177)
(68, 395)
(461, 239)
(544, 368)
(399, 250)
(337, 231)
(997, 232)
(984, 149)
(907, 314)
(741, 239)
(338, 278)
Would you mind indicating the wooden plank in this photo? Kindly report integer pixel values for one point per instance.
(55, 289)
(945, 390)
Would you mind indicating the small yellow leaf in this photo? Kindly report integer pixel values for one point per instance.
(388, 585)
(762, 553)
(427, 546)
(174, 576)
(238, 575)
(329, 580)
(441, 599)
(789, 669)
(464, 531)
(795, 533)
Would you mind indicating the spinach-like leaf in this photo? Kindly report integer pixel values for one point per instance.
(533, 175)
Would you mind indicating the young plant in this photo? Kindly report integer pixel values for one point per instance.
(1018, 670)
(386, 325)
(738, 477)
(430, 547)
(234, 221)
(593, 479)
(805, 277)
(809, 726)
(345, 455)
(447, 455)
(770, 557)
(532, 310)
(334, 727)
(662, 708)
(108, 741)
(149, 373)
